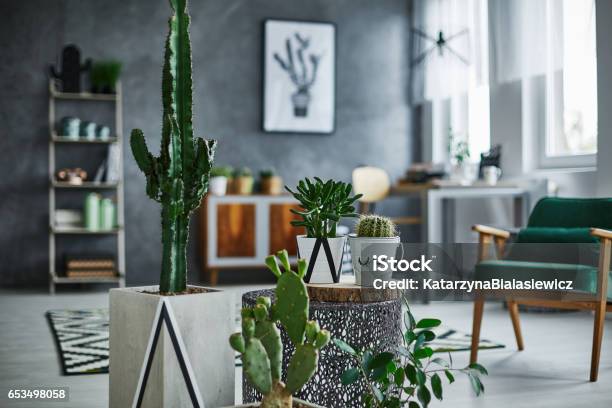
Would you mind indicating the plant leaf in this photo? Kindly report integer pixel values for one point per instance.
(436, 386)
(344, 346)
(349, 376)
(428, 323)
(424, 396)
(381, 360)
(450, 376)
(479, 368)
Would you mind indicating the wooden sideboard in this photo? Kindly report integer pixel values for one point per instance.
(239, 231)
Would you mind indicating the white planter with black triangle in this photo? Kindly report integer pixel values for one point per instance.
(170, 351)
(324, 258)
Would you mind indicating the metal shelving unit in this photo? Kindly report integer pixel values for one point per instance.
(55, 139)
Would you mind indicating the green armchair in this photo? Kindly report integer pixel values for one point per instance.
(553, 220)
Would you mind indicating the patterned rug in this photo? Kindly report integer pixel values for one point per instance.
(82, 340)
(81, 337)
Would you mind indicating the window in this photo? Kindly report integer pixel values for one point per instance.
(570, 139)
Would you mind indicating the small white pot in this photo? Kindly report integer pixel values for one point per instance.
(362, 249)
(217, 185)
(321, 272)
(201, 322)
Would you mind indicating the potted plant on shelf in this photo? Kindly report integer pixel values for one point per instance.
(161, 347)
(260, 346)
(323, 205)
(379, 234)
(243, 181)
(219, 177)
(104, 76)
(408, 376)
(271, 183)
(462, 170)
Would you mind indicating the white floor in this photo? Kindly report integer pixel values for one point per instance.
(551, 372)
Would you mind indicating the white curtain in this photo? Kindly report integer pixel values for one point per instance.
(441, 73)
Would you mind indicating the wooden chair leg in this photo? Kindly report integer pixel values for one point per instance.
(516, 323)
(476, 322)
(598, 327)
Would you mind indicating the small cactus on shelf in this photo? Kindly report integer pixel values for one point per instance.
(178, 178)
(260, 345)
(371, 225)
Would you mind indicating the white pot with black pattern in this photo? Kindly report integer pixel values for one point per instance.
(323, 257)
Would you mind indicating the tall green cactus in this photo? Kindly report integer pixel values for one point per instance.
(260, 344)
(178, 178)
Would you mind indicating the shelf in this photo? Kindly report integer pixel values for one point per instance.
(93, 279)
(83, 231)
(64, 139)
(87, 185)
(84, 96)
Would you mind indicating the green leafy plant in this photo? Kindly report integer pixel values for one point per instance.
(243, 172)
(260, 345)
(459, 150)
(104, 75)
(410, 375)
(371, 225)
(222, 171)
(323, 205)
(267, 173)
(178, 178)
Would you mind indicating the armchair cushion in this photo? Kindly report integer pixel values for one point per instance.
(583, 276)
(572, 213)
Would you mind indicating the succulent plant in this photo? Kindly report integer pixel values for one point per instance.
(260, 345)
(104, 75)
(267, 173)
(222, 171)
(243, 172)
(371, 225)
(178, 178)
(323, 205)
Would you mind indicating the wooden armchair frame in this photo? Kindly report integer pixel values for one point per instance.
(498, 237)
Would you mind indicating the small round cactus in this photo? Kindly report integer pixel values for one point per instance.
(375, 226)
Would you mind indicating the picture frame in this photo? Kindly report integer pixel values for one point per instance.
(299, 76)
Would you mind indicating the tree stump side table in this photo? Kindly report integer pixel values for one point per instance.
(364, 324)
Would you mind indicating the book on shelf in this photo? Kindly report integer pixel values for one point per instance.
(91, 273)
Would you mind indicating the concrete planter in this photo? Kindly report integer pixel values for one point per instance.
(191, 358)
(362, 249)
(322, 271)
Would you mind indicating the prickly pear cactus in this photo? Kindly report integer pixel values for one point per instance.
(260, 344)
(375, 226)
(178, 178)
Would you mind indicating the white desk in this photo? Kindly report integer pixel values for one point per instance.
(440, 206)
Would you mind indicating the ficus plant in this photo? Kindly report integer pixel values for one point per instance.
(323, 204)
(409, 376)
(178, 178)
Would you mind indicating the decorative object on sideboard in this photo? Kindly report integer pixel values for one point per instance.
(219, 180)
(374, 234)
(91, 211)
(260, 346)
(270, 182)
(243, 181)
(103, 132)
(68, 218)
(70, 75)
(299, 76)
(88, 130)
(75, 176)
(104, 76)
(323, 205)
(491, 174)
(70, 127)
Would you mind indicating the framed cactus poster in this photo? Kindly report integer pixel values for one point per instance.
(299, 76)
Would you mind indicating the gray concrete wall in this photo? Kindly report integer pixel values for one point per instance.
(373, 118)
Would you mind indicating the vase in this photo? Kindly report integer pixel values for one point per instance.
(323, 256)
(217, 185)
(272, 185)
(362, 251)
